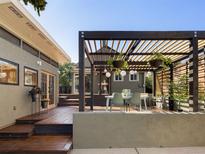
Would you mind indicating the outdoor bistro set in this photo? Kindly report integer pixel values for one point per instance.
(126, 99)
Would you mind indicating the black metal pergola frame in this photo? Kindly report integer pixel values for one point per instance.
(192, 54)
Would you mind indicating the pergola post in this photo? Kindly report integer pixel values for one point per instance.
(81, 72)
(154, 83)
(100, 84)
(92, 87)
(110, 84)
(171, 101)
(193, 74)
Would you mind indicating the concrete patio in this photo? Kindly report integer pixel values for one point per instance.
(176, 150)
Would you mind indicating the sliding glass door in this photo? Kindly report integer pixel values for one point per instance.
(48, 89)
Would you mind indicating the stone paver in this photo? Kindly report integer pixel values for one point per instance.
(182, 150)
(179, 150)
(104, 151)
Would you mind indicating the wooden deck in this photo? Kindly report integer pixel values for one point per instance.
(59, 115)
(37, 145)
(48, 132)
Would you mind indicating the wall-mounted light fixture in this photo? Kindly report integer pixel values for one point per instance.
(39, 62)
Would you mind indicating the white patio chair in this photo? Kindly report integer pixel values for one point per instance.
(117, 100)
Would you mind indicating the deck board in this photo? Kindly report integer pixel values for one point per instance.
(59, 115)
(37, 144)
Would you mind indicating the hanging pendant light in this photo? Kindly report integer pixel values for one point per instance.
(123, 73)
(132, 72)
(108, 74)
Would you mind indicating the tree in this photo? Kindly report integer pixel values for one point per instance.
(148, 83)
(39, 5)
(65, 77)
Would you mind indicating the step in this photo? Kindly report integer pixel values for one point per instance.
(16, 131)
(68, 104)
(58, 124)
(60, 144)
(56, 129)
(31, 119)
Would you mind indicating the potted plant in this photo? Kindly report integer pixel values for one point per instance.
(158, 60)
(117, 63)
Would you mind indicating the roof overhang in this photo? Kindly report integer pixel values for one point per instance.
(16, 19)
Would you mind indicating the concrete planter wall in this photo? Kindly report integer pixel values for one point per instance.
(128, 130)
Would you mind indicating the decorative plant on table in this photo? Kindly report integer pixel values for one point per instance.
(179, 91)
(118, 63)
(159, 60)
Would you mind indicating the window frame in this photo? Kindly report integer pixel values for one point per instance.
(137, 74)
(26, 67)
(15, 64)
(114, 79)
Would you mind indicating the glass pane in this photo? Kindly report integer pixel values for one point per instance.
(31, 77)
(76, 84)
(8, 72)
(51, 89)
(87, 83)
(43, 86)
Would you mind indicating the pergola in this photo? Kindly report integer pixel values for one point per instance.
(138, 48)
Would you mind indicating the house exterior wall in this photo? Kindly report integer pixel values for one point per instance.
(118, 86)
(135, 86)
(16, 96)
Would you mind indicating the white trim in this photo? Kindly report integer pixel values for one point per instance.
(122, 77)
(134, 74)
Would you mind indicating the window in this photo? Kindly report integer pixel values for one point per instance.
(30, 49)
(76, 83)
(9, 37)
(30, 77)
(118, 77)
(134, 77)
(9, 72)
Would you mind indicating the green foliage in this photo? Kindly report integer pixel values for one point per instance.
(201, 96)
(148, 82)
(65, 77)
(110, 62)
(39, 5)
(119, 57)
(179, 89)
(166, 61)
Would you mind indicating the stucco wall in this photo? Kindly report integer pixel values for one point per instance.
(118, 86)
(127, 130)
(135, 86)
(17, 95)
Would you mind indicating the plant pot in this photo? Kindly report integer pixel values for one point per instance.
(118, 63)
(44, 104)
(180, 110)
(156, 63)
(171, 105)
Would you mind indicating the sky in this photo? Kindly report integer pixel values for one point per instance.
(64, 18)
